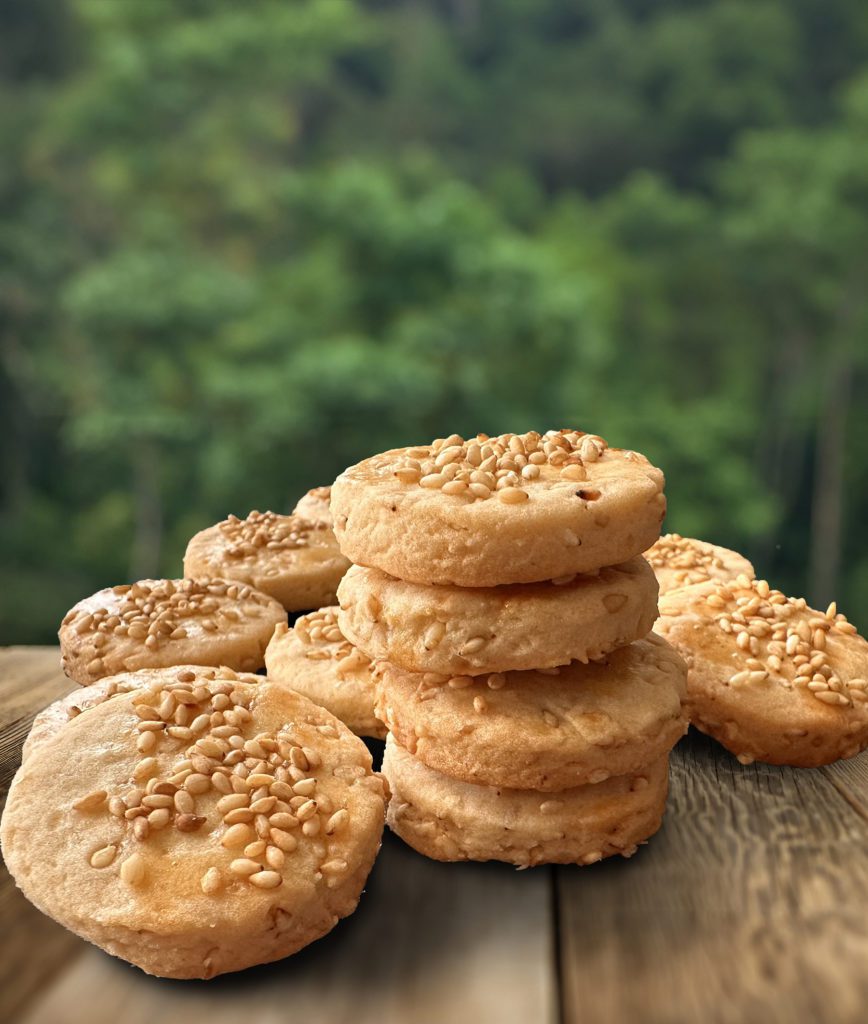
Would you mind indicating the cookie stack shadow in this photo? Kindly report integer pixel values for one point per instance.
(530, 720)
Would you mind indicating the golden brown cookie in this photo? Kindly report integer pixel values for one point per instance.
(314, 658)
(314, 506)
(292, 559)
(450, 820)
(472, 630)
(770, 678)
(196, 826)
(160, 623)
(682, 561)
(546, 730)
(518, 508)
(53, 718)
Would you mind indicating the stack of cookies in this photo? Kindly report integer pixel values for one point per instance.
(499, 589)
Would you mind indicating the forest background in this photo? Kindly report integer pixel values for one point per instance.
(243, 245)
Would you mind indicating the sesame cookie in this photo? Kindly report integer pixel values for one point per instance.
(768, 677)
(449, 820)
(234, 842)
(292, 559)
(315, 506)
(464, 630)
(519, 508)
(314, 658)
(682, 561)
(160, 623)
(546, 730)
(53, 718)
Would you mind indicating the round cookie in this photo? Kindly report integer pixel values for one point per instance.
(160, 623)
(449, 820)
(518, 508)
(197, 848)
(546, 730)
(315, 506)
(294, 560)
(768, 677)
(314, 658)
(683, 561)
(463, 630)
(53, 718)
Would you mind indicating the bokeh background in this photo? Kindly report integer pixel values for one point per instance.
(243, 245)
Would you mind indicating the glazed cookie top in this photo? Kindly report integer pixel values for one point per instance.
(314, 506)
(316, 659)
(541, 730)
(189, 801)
(518, 626)
(158, 623)
(777, 647)
(517, 508)
(53, 718)
(682, 561)
(283, 556)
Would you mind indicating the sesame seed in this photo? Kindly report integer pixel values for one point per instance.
(231, 802)
(307, 810)
(91, 802)
(512, 495)
(244, 867)
(159, 818)
(266, 879)
(211, 881)
(102, 858)
(157, 800)
(133, 870)
(337, 821)
(283, 820)
(145, 768)
(283, 840)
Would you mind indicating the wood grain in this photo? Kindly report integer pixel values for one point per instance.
(750, 905)
(30, 678)
(429, 943)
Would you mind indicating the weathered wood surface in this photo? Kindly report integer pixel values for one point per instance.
(430, 943)
(750, 905)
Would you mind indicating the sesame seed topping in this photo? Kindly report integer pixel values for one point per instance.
(133, 870)
(476, 469)
(266, 783)
(91, 802)
(786, 641)
(102, 858)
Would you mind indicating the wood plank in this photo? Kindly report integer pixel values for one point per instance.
(750, 904)
(429, 943)
(30, 678)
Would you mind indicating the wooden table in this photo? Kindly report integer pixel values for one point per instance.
(750, 905)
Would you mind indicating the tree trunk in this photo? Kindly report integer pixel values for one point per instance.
(147, 542)
(828, 492)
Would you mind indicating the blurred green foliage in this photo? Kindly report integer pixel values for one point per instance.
(244, 245)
